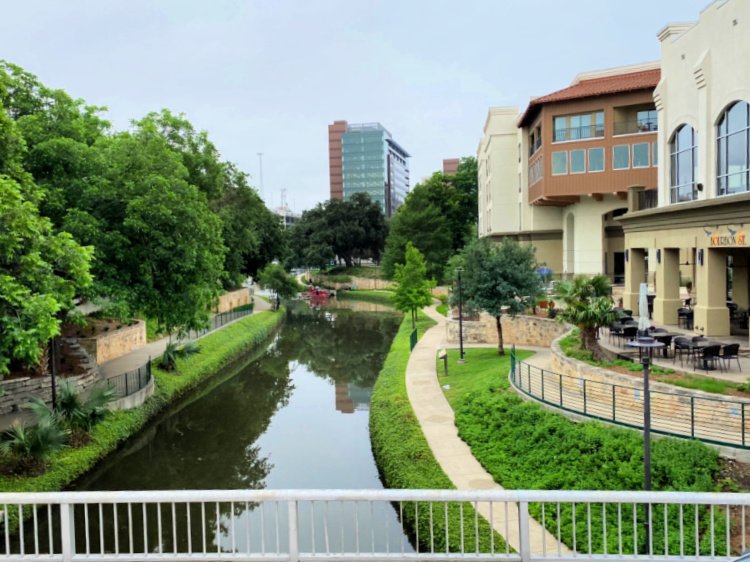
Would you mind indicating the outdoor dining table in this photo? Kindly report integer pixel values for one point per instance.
(701, 343)
(664, 337)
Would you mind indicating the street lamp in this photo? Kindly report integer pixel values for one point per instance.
(459, 270)
(645, 346)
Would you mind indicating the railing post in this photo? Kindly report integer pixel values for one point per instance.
(559, 376)
(523, 532)
(126, 383)
(542, 376)
(293, 532)
(743, 424)
(67, 531)
(584, 396)
(614, 403)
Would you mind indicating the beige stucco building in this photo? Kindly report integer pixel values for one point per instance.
(696, 232)
(557, 175)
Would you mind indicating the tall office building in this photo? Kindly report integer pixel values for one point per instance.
(364, 158)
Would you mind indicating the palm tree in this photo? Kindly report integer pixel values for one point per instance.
(30, 446)
(81, 414)
(588, 305)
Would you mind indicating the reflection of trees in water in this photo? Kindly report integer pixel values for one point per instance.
(338, 344)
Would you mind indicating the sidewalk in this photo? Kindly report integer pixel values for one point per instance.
(125, 363)
(436, 418)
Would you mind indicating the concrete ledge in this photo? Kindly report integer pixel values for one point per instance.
(134, 400)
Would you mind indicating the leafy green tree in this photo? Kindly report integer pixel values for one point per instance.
(274, 277)
(499, 279)
(588, 305)
(40, 274)
(413, 291)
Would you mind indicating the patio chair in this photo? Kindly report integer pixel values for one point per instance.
(730, 352)
(654, 330)
(615, 331)
(685, 318)
(682, 346)
(708, 357)
(629, 333)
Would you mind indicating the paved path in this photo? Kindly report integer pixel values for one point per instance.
(454, 456)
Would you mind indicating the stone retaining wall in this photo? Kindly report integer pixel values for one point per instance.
(18, 391)
(519, 330)
(233, 299)
(116, 343)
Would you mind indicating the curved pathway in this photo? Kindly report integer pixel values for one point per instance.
(436, 418)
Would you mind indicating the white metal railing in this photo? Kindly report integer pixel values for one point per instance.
(369, 525)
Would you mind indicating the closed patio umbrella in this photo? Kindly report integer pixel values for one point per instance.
(643, 321)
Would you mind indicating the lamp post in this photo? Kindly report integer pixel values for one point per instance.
(645, 346)
(459, 270)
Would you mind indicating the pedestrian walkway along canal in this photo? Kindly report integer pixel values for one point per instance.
(293, 416)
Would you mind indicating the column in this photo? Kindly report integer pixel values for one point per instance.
(667, 299)
(635, 274)
(711, 313)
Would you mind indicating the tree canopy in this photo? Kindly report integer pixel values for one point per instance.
(439, 217)
(413, 291)
(499, 279)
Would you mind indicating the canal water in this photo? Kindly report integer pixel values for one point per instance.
(294, 415)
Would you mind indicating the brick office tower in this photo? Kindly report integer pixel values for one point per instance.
(364, 158)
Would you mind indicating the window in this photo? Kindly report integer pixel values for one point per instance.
(640, 154)
(621, 157)
(596, 159)
(535, 140)
(683, 165)
(559, 163)
(646, 120)
(733, 142)
(580, 126)
(654, 154)
(577, 161)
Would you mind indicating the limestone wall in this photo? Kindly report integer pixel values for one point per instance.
(521, 330)
(233, 299)
(18, 391)
(110, 345)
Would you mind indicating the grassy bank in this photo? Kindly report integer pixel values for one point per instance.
(217, 350)
(403, 455)
(524, 446)
(377, 297)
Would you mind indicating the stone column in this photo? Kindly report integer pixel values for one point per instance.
(711, 313)
(667, 299)
(740, 287)
(635, 274)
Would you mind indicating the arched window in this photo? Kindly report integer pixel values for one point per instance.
(683, 162)
(733, 142)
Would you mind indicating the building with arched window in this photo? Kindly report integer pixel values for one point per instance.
(693, 245)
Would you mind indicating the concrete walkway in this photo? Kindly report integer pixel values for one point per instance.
(436, 418)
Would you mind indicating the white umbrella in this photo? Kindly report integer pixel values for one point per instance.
(643, 321)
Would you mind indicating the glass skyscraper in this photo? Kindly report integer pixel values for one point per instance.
(364, 158)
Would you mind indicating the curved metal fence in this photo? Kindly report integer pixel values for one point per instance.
(718, 421)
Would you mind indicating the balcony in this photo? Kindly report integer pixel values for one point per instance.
(631, 127)
(578, 133)
(369, 525)
(647, 199)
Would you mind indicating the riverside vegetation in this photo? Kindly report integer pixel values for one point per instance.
(404, 457)
(524, 446)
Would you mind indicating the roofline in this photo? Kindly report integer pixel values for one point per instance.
(398, 147)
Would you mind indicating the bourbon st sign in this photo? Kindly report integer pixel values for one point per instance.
(729, 236)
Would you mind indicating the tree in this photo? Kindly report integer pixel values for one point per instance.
(413, 291)
(274, 277)
(499, 279)
(40, 274)
(588, 305)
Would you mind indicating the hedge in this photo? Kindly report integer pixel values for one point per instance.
(217, 350)
(405, 459)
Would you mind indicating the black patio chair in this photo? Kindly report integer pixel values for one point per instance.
(615, 331)
(629, 333)
(731, 351)
(682, 345)
(708, 357)
(685, 318)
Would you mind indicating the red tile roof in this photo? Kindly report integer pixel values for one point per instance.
(632, 81)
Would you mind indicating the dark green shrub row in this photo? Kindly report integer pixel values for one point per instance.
(524, 446)
(218, 350)
(405, 459)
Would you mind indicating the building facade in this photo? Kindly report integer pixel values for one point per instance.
(558, 176)
(364, 158)
(450, 166)
(693, 236)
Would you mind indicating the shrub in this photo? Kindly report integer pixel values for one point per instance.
(30, 447)
(173, 352)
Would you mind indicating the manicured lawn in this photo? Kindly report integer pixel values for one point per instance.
(442, 308)
(377, 297)
(524, 446)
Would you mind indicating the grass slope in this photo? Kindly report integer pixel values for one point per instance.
(404, 457)
(217, 349)
(525, 446)
(377, 297)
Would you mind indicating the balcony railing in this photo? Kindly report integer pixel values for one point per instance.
(578, 133)
(635, 126)
(369, 525)
(647, 199)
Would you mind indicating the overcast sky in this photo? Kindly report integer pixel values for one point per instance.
(269, 76)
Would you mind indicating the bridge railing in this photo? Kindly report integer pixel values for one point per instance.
(370, 525)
